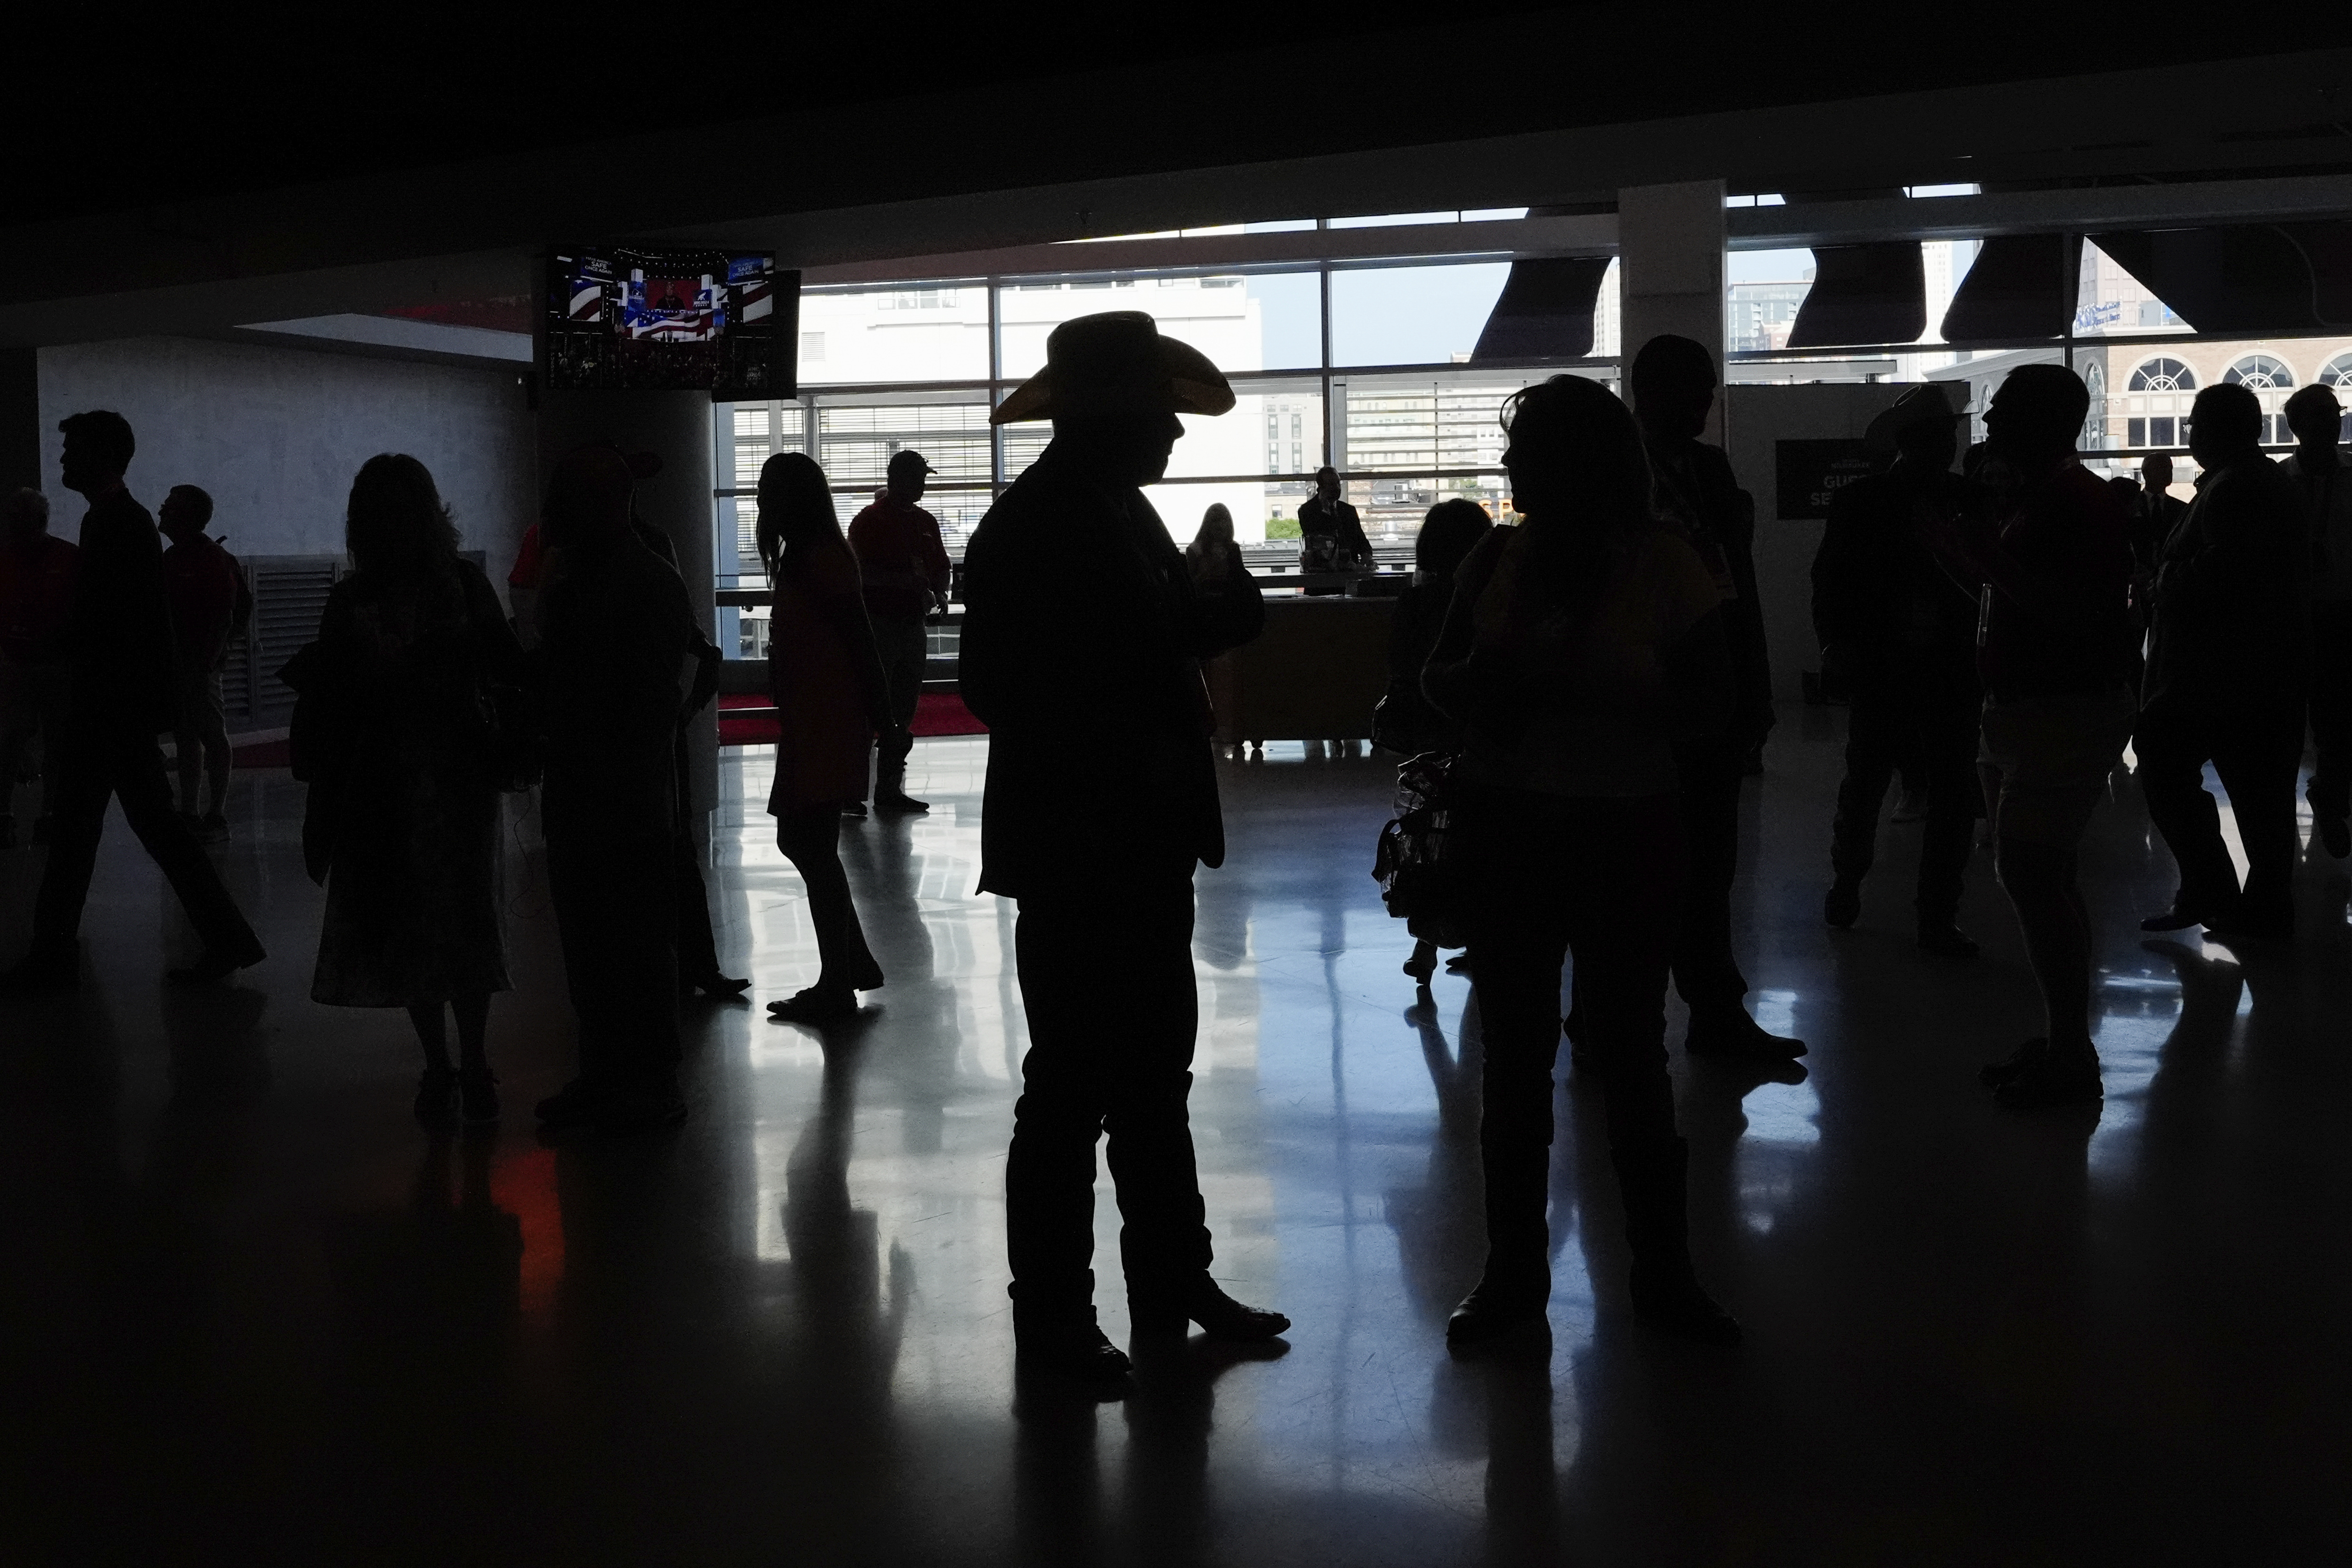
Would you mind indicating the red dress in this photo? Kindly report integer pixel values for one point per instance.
(820, 755)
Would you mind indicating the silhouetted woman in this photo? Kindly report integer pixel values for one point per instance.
(1580, 646)
(1406, 721)
(831, 698)
(1213, 556)
(409, 647)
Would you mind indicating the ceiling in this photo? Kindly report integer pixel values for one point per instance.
(188, 182)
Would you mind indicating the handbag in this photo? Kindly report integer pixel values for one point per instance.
(1417, 861)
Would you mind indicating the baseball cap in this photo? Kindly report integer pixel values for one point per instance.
(908, 461)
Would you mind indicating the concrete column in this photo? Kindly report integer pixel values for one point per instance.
(1670, 272)
(677, 500)
(20, 419)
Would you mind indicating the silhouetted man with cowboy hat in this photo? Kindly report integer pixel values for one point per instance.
(1082, 648)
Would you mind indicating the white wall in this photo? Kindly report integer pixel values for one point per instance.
(275, 434)
(1755, 417)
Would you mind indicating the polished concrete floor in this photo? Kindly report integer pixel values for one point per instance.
(250, 1311)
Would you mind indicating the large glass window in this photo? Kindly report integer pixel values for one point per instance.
(1412, 315)
(917, 332)
(911, 366)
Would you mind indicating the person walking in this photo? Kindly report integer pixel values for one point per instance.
(1082, 649)
(1674, 384)
(2321, 468)
(1899, 632)
(616, 633)
(903, 563)
(119, 646)
(210, 606)
(402, 826)
(37, 576)
(2228, 669)
(832, 697)
(2052, 545)
(1580, 648)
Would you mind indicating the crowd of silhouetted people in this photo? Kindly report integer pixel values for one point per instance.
(1595, 676)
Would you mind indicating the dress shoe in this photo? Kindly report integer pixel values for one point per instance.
(1075, 1348)
(855, 809)
(1841, 907)
(217, 964)
(1993, 1074)
(212, 827)
(1201, 1302)
(1732, 1033)
(2052, 1080)
(716, 985)
(1946, 940)
(899, 803)
(1498, 1308)
(814, 1006)
(1672, 1300)
(2182, 917)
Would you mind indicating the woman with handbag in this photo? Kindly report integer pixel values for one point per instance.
(1404, 720)
(413, 664)
(1580, 646)
(832, 698)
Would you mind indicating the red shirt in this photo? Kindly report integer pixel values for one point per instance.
(36, 580)
(902, 558)
(528, 564)
(201, 579)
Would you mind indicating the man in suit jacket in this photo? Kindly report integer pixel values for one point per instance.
(1082, 646)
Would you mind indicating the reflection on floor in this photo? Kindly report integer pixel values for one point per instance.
(251, 1312)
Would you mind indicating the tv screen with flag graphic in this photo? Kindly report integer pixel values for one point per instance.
(724, 322)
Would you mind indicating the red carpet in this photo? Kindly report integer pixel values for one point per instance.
(936, 713)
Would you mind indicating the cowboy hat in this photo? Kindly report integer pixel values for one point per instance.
(1115, 363)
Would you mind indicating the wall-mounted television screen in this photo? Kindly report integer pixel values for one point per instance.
(724, 322)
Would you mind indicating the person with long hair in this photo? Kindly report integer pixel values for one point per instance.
(1213, 556)
(832, 698)
(405, 808)
(1405, 722)
(1579, 647)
